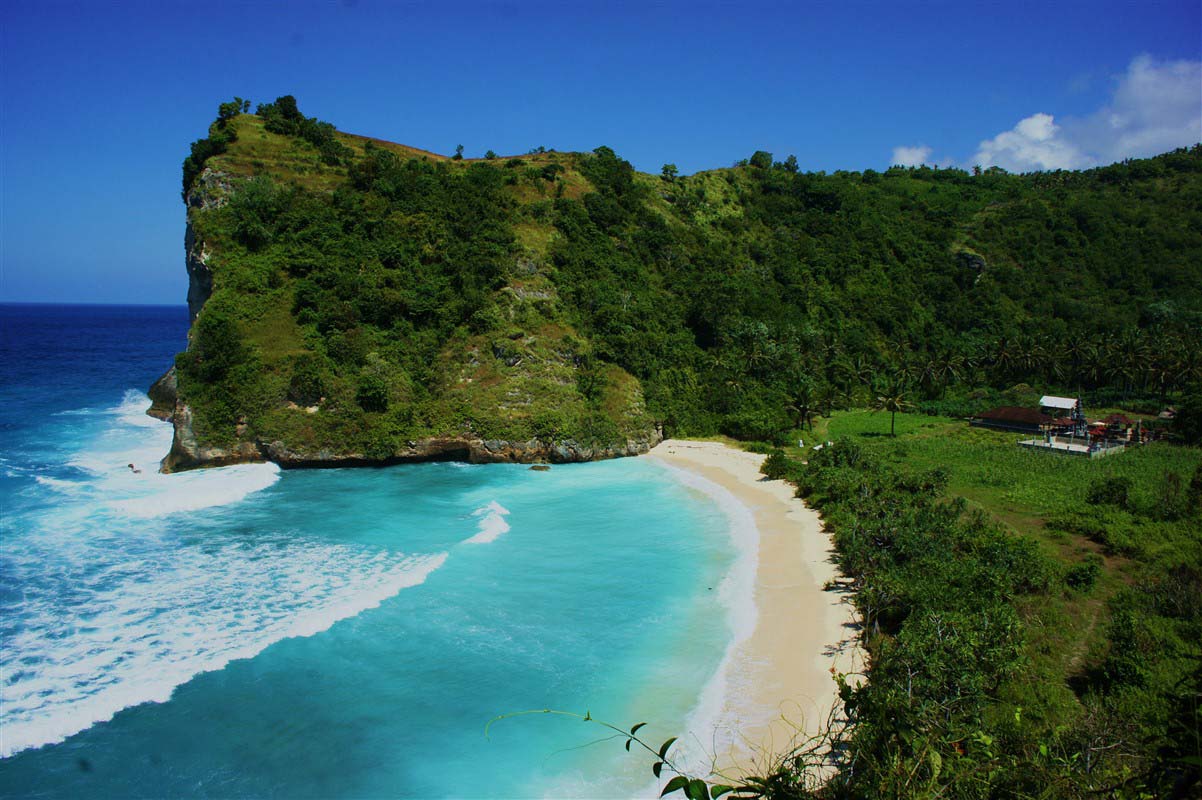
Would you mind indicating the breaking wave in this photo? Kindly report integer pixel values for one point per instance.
(116, 610)
(492, 523)
(142, 623)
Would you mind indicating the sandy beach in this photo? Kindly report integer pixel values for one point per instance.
(779, 686)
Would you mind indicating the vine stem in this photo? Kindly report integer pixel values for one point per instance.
(585, 717)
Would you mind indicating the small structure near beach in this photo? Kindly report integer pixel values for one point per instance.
(1060, 426)
(1067, 411)
(1014, 419)
(1076, 445)
(1073, 435)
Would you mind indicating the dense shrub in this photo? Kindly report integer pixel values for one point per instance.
(372, 392)
(216, 347)
(307, 384)
(1110, 491)
(1083, 576)
(284, 117)
(776, 465)
(221, 134)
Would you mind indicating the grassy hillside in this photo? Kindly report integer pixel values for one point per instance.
(385, 295)
(366, 295)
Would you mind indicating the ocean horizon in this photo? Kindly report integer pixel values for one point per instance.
(247, 631)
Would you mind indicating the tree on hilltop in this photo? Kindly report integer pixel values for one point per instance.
(227, 111)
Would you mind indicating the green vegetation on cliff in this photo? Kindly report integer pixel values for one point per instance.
(379, 299)
(366, 294)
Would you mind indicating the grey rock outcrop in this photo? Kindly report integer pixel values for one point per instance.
(210, 190)
(200, 277)
(187, 453)
(164, 394)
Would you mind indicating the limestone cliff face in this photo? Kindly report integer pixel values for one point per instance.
(188, 453)
(210, 190)
(200, 277)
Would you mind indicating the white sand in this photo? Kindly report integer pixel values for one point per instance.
(780, 685)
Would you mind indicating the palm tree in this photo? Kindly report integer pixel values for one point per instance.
(1161, 374)
(856, 373)
(941, 369)
(1031, 358)
(1187, 360)
(1003, 358)
(893, 399)
(801, 402)
(1097, 364)
(1077, 350)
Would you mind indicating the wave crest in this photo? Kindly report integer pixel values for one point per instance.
(492, 523)
(142, 626)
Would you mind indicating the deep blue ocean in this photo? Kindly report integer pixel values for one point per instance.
(247, 632)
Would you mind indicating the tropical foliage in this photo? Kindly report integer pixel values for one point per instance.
(741, 301)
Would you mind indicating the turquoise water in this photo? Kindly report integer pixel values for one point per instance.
(246, 632)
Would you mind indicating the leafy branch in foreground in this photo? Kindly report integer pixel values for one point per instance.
(799, 773)
(693, 788)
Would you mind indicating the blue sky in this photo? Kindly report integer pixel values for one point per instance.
(99, 101)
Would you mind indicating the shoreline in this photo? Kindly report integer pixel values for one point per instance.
(775, 686)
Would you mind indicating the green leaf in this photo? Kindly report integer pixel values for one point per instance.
(628, 745)
(663, 750)
(679, 782)
(720, 789)
(656, 767)
(697, 790)
(635, 729)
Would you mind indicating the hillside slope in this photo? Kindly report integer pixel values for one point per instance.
(357, 301)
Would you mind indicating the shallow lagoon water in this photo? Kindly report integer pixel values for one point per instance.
(323, 633)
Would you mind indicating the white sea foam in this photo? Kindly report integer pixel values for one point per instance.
(154, 495)
(12, 470)
(113, 614)
(139, 625)
(492, 523)
(137, 439)
(707, 730)
(62, 486)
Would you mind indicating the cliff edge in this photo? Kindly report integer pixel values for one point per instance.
(355, 302)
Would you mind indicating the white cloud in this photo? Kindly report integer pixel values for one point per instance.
(911, 156)
(1034, 143)
(1156, 107)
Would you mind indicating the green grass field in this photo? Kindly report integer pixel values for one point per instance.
(1043, 496)
(1028, 489)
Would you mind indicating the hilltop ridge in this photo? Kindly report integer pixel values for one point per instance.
(360, 301)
